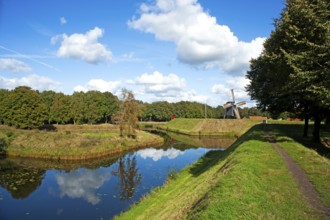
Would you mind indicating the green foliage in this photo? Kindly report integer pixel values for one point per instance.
(60, 108)
(162, 111)
(25, 109)
(97, 107)
(93, 105)
(172, 174)
(77, 107)
(293, 72)
(48, 98)
(4, 105)
(4, 142)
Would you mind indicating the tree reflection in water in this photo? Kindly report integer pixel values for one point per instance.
(129, 177)
(20, 181)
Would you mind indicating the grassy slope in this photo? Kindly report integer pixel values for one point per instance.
(249, 181)
(316, 167)
(223, 127)
(73, 142)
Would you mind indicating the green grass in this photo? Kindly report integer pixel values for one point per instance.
(101, 135)
(219, 127)
(184, 124)
(316, 167)
(73, 142)
(205, 141)
(248, 181)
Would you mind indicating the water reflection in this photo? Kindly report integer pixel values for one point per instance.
(18, 180)
(129, 176)
(157, 154)
(214, 142)
(82, 183)
(93, 189)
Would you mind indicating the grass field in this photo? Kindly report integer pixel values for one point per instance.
(248, 181)
(72, 142)
(219, 127)
(304, 152)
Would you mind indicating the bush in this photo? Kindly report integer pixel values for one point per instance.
(4, 142)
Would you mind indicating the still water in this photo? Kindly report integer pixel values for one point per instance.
(96, 189)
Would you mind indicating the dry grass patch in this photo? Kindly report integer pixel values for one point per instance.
(71, 142)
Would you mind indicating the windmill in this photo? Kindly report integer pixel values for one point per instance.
(231, 107)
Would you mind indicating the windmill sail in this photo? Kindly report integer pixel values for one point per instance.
(231, 107)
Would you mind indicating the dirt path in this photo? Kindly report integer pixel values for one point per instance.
(300, 176)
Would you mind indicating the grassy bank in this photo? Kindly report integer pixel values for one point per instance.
(72, 142)
(304, 152)
(219, 127)
(248, 181)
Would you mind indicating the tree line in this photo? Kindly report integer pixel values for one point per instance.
(293, 72)
(26, 108)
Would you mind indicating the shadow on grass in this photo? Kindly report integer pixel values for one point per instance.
(211, 158)
(295, 131)
(48, 128)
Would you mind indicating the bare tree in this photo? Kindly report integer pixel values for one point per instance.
(127, 117)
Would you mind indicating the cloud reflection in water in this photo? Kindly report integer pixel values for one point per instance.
(157, 154)
(82, 184)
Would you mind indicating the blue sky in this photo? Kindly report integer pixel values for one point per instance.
(168, 50)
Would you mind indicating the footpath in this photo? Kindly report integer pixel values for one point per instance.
(301, 178)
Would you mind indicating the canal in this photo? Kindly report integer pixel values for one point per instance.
(95, 189)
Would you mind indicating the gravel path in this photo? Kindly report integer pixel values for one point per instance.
(300, 176)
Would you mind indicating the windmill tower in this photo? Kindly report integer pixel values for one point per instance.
(231, 107)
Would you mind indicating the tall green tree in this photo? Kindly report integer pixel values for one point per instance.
(26, 108)
(110, 105)
(77, 107)
(4, 105)
(48, 98)
(60, 109)
(292, 74)
(94, 110)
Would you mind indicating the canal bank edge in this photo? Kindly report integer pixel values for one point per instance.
(74, 142)
(250, 181)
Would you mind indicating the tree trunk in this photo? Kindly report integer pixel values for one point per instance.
(306, 126)
(317, 125)
(306, 121)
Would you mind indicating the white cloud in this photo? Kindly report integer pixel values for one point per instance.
(83, 46)
(36, 82)
(63, 20)
(199, 39)
(33, 58)
(157, 154)
(224, 90)
(99, 85)
(82, 184)
(14, 66)
(129, 55)
(159, 87)
(159, 83)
